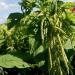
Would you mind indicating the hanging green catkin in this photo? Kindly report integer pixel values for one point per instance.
(63, 53)
(49, 59)
(42, 31)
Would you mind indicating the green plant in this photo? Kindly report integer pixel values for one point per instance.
(47, 28)
(38, 37)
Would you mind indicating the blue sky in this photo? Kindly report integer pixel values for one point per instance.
(69, 0)
(8, 6)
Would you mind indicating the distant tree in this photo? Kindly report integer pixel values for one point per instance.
(14, 19)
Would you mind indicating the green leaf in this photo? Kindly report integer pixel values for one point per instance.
(39, 50)
(31, 42)
(10, 61)
(41, 63)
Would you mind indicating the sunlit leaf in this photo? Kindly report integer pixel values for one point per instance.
(10, 61)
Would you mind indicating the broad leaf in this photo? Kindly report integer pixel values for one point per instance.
(10, 61)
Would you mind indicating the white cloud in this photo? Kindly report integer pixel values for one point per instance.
(5, 6)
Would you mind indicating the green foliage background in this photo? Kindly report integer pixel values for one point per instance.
(38, 37)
